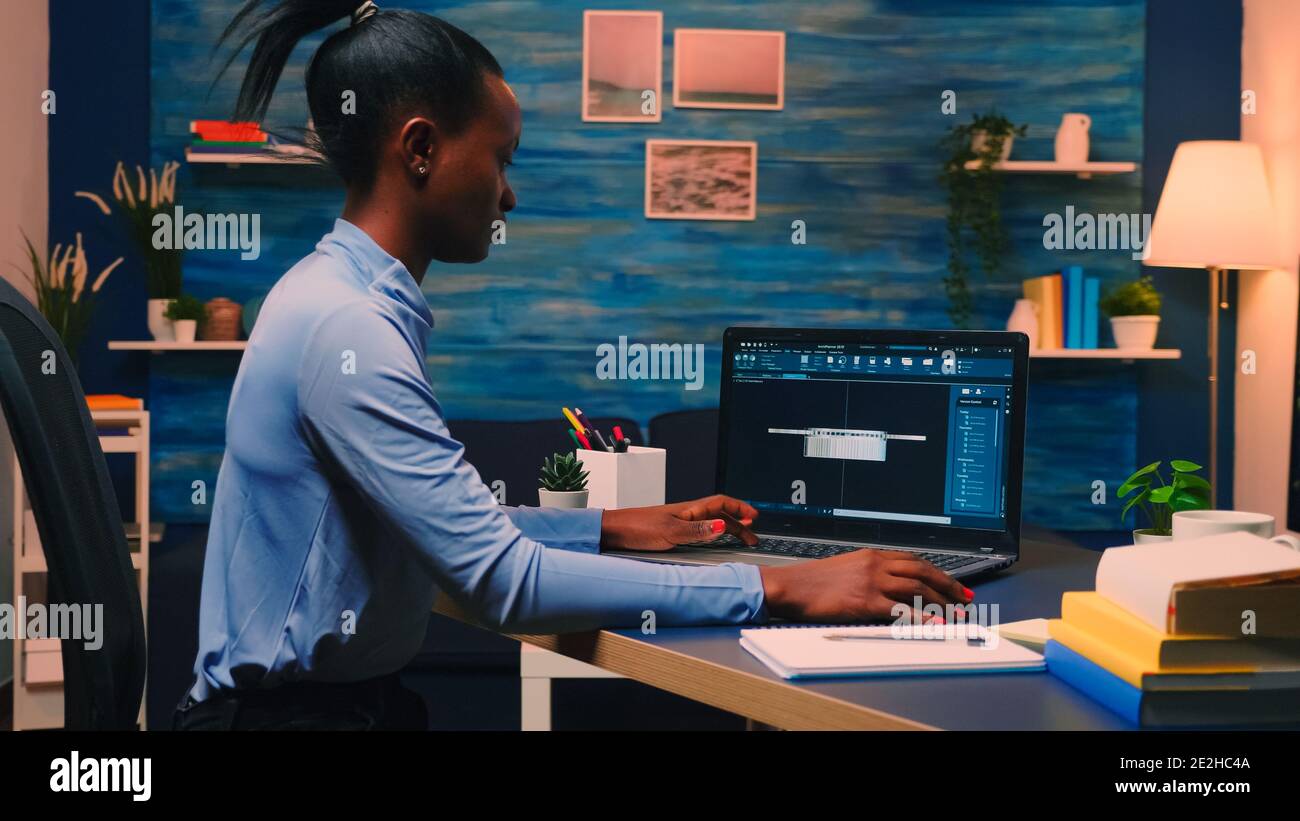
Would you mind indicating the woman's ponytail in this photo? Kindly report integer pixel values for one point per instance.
(277, 30)
(394, 63)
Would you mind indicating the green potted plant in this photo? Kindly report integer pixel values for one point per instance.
(1134, 311)
(1184, 491)
(185, 311)
(564, 482)
(139, 199)
(973, 203)
(60, 289)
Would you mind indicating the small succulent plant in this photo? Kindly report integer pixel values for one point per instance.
(563, 472)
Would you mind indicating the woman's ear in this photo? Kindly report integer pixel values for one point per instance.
(418, 142)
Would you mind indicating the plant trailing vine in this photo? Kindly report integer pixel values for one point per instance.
(973, 205)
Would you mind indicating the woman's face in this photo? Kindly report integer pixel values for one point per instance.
(467, 192)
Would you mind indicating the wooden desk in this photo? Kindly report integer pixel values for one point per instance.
(707, 664)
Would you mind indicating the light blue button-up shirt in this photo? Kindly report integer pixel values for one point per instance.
(342, 503)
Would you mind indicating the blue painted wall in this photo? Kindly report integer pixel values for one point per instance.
(853, 155)
(1193, 91)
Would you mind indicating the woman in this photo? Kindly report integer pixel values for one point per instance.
(342, 501)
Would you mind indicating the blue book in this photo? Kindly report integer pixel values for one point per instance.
(1091, 296)
(1207, 707)
(1096, 682)
(1072, 288)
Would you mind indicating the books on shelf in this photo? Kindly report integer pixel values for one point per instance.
(1200, 632)
(113, 401)
(1067, 306)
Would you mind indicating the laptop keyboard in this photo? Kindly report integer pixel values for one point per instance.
(797, 548)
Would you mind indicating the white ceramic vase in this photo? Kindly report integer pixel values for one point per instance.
(1135, 332)
(1024, 318)
(569, 499)
(185, 329)
(1072, 139)
(159, 325)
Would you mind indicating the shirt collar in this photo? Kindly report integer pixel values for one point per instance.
(375, 266)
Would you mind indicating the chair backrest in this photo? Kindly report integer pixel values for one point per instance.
(512, 452)
(691, 439)
(77, 516)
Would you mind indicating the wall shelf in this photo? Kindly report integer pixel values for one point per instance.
(1082, 170)
(267, 157)
(159, 347)
(1105, 353)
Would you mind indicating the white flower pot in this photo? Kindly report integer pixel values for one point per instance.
(159, 325)
(185, 329)
(562, 498)
(1135, 332)
(1145, 536)
(978, 138)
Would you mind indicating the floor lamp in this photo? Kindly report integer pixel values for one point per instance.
(1216, 213)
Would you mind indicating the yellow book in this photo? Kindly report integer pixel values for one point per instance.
(1052, 290)
(1140, 672)
(1155, 650)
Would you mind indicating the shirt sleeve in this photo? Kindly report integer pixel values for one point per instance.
(555, 527)
(369, 414)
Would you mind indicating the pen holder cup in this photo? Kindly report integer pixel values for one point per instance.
(631, 479)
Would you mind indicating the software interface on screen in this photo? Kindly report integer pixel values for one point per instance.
(902, 433)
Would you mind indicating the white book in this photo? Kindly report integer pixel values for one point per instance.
(1144, 578)
(822, 652)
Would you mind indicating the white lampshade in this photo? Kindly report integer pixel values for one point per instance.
(1215, 210)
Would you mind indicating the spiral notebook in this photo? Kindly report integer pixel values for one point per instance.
(827, 652)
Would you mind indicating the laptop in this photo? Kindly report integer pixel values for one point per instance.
(882, 439)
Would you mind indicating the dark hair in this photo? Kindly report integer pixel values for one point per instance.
(396, 62)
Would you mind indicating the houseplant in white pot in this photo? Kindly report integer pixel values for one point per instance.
(1184, 491)
(1134, 311)
(140, 198)
(185, 311)
(564, 482)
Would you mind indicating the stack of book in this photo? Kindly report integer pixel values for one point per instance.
(223, 138)
(1066, 304)
(1196, 633)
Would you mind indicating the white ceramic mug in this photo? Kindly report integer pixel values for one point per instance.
(1192, 524)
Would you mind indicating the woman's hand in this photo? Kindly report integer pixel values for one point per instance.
(864, 585)
(665, 526)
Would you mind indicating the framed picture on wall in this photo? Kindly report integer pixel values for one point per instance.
(701, 179)
(728, 68)
(622, 66)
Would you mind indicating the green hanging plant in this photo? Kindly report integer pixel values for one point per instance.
(974, 205)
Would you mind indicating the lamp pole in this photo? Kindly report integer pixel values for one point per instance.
(1218, 300)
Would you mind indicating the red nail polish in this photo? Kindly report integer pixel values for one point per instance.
(970, 594)
(719, 525)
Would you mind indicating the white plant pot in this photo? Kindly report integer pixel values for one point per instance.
(1135, 332)
(159, 325)
(1145, 536)
(569, 499)
(978, 138)
(185, 329)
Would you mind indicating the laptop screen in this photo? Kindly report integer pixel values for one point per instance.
(874, 436)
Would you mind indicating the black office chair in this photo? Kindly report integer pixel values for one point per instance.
(512, 452)
(691, 439)
(76, 514)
